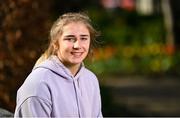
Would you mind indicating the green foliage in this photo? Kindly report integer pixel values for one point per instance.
(139, 42)
(127, 28)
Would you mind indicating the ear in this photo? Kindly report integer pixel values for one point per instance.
(55, 47)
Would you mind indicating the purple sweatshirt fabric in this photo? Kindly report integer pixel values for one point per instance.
(50, 90)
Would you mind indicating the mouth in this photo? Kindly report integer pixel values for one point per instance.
(77, 54)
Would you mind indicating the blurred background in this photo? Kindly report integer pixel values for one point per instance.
(136, 59)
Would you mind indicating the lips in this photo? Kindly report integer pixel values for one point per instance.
(77, 54)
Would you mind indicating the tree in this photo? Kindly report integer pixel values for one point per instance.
(176, 21)
(23, 31)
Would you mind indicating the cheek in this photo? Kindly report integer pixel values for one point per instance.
(63, 45)
(87, 44)
(63, 49)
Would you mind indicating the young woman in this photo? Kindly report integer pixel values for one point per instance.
(60, 85)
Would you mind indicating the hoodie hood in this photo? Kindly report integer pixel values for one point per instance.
(55, 65)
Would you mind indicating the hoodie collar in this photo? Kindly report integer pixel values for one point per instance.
(55, 65)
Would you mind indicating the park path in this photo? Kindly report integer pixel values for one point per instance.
(140, 96)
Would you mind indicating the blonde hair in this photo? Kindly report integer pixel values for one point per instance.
(57, 30)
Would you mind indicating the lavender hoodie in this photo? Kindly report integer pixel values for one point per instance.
(50, 90)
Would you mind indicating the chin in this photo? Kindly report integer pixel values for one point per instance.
(76, 62)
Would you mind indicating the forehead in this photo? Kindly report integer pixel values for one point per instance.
(75, 28)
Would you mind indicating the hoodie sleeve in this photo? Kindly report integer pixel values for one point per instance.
(98, 98)
(34, 107)
(33, 97)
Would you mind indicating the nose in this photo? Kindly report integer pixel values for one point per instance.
(77, 44)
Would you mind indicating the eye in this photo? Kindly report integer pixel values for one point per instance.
(84, 38)
(70, 39)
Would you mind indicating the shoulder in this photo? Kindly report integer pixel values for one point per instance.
(44, 70)
(39, 77)
(89, 73)
(90, 81)
(36, 78)
(90, 76)
(36, 84)
(40, 73)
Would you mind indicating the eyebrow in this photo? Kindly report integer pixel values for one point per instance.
(83, 35)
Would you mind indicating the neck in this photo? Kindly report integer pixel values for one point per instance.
(73, 68)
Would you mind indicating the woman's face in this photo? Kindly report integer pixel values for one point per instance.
(73, 44)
